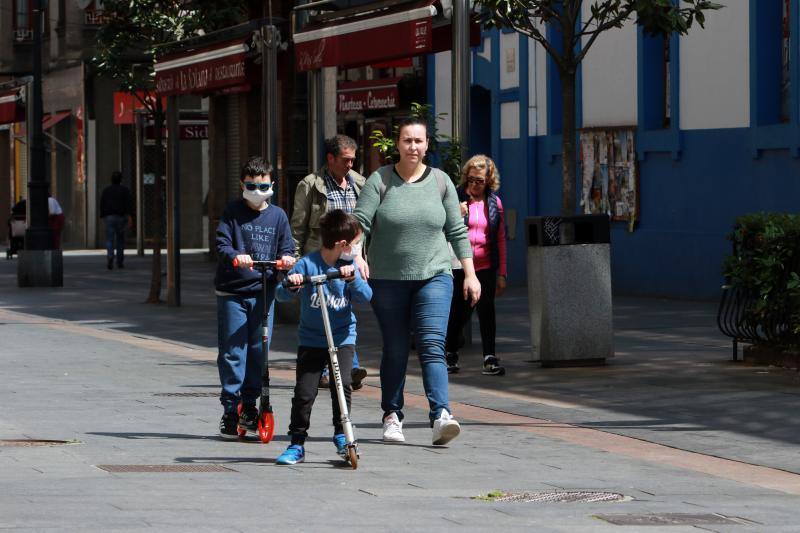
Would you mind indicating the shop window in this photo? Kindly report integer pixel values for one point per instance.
(656, 91)
(771, 57)
(786, 77)
(23, 20)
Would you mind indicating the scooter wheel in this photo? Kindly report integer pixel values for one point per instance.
(266, 427)
(242, 431)
(352, 456)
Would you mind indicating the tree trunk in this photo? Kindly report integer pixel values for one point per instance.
(155, 276)
(568, 156)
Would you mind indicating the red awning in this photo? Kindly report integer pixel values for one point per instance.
(359, 39)
(11, 108)
(51, 119)
(199, 71)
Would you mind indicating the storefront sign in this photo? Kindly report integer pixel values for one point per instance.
(202, 72)
(126, 104)
(194, 132)
(367, 95)
(360, 42)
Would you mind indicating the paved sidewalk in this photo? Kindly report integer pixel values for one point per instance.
(669, 423)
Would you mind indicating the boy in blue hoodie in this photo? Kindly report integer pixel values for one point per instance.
(341, 242)
(251, 229)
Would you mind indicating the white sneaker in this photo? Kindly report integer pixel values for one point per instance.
(445, 429)
(393, 429)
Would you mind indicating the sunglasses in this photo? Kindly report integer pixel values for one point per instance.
(476, 181)
(263, 187)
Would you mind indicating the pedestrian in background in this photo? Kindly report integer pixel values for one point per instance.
(116, 209)
(485, 220)
(411, 212)
(335, 186)
(55, 221)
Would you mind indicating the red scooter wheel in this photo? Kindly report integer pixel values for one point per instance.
(266, 427)
(242, 431)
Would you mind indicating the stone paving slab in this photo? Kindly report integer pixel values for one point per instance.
(87, 362)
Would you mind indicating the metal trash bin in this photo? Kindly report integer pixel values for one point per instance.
(569, 289)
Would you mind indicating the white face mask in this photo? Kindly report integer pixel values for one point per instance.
(355, 251)
(256, 197)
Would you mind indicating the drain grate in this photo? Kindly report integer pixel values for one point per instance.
(158, 469)
(188, 394)
(666, 519)
(29, 443)
(560, 496)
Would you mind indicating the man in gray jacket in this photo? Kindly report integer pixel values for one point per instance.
(335, 186)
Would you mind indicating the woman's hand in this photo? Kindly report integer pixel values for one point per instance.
(501, 286)
(363, 267)
(472, 289)
(288, 261)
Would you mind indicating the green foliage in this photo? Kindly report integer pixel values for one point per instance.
(766, 265)
(491, 496)
(448, 148)
(126, 44)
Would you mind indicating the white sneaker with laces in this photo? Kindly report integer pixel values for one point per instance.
(445, 428)
(393, 429)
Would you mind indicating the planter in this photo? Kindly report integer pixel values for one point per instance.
(763, 355)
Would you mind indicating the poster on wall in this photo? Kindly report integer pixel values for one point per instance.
(609, 174)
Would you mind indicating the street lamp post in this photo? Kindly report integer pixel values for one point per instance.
(39, 265)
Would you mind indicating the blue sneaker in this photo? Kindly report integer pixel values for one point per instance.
(294, 454)
(340, 442)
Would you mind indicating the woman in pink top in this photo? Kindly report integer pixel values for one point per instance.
(483, 215)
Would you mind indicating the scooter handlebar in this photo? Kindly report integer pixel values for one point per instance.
(278, 264)
(315, 280)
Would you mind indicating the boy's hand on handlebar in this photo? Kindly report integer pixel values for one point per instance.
(295, 280)
(243, 261)
(348, 272)
(288, 261)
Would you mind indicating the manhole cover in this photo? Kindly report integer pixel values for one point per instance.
(561, 496)
(29, 443)
(666, 519)
(188, 394)
(158, 469)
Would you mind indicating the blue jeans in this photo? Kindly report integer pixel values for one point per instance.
(425, 305)
(115, 236)
(241, 360)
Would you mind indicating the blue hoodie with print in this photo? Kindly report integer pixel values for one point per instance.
(339, 295)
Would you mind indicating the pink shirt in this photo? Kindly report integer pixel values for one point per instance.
(478, 232)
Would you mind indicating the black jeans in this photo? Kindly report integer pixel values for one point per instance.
(310, 362)
(461, 311)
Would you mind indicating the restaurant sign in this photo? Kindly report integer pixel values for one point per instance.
(202, 72)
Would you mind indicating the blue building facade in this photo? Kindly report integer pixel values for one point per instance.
(716, 125)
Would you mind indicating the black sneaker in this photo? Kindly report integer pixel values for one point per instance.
(452, 362)
(248, 419)
(357, 375)
(227, 426)
(491, 366)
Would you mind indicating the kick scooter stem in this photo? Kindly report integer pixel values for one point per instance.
(319, 283)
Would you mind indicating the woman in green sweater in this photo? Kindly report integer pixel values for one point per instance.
(411, 211)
